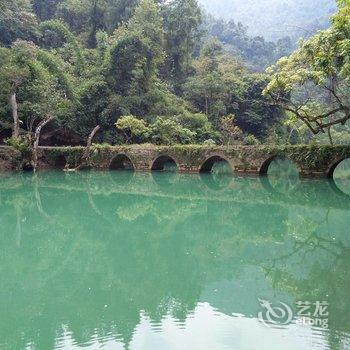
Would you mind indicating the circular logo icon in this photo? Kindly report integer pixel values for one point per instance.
(275, 315)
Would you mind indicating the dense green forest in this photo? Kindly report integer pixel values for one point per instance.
(165, 72)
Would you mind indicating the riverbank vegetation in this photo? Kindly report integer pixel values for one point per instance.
(165, 72)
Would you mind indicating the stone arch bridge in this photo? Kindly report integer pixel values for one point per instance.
(312, 161)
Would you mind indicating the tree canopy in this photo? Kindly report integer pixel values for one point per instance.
(313, 83)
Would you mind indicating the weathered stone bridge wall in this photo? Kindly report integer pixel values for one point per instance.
(312, 161)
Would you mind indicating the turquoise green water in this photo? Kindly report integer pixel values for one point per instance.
(117, 260)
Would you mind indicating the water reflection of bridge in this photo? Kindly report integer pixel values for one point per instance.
(225, 189)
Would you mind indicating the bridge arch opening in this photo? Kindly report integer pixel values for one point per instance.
(121, 162)
(164, 163)
(339, 175)
(340, 169)
(280, 166)
(282, 175)
(28, 167)
(217, 165)
(60, 162)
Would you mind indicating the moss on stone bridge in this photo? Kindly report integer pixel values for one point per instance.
(311, 160)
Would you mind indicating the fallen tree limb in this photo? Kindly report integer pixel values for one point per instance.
(86, 155)
(37, 139)
(14, 109)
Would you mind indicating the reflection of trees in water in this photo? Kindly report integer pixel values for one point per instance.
(342, 171)
(221, 168)
(341, 177)
(342, 185)
(283, 175)
(216, 173)
(282, 167)
(216, 182)
(71, 263)
(317, 250)
(165, 182)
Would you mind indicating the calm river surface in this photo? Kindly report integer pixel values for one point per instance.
(117, 260)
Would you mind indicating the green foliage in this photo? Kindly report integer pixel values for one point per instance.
(313, 83)
(84, 17)
(45, 9)
(222, 86)
(255, 114)
(55, 66)
(55, 27)
(166, 131)
(209, 142)
(17, 21)
(182, 19)
(200, 125)
(216, 84)
(133, 128)
(230, 131)
(186, 128)
(138, 51)
(90, 109)
(21, 144)
(250, 140)
(136, 54)
(41, 88)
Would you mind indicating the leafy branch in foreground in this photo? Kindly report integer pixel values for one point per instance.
(314, 82)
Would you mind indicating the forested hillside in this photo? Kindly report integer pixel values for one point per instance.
(256, 52)
(275, 19)
(161, 72)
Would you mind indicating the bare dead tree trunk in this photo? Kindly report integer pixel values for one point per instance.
(86, 153)
(37, 139)
(330, 135)
(89, 142)
(290, 134)
(206, 105)
(14, 108)
(127, 137)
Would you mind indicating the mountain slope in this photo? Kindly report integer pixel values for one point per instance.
(275, 18)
